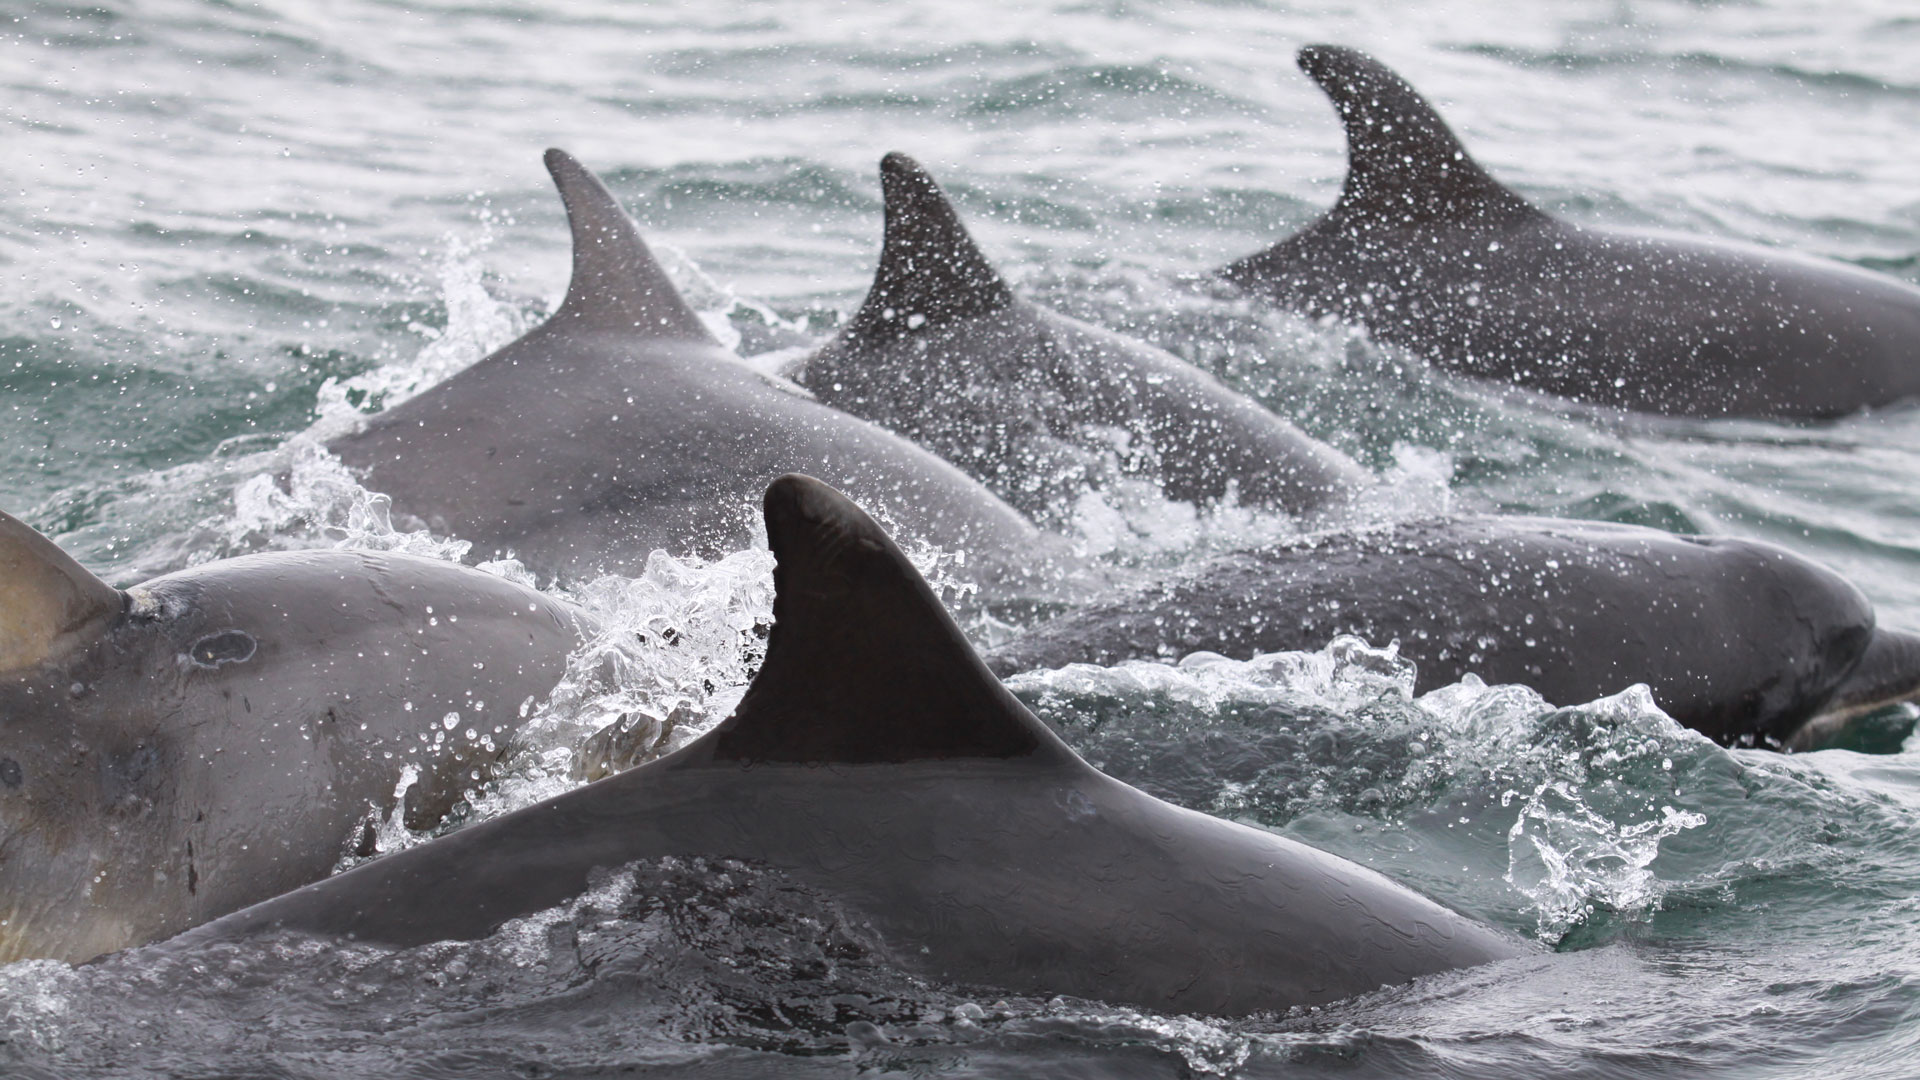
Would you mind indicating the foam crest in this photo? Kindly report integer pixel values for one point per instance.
(477, 325)
(36, 1002)
(1208, 1047)
(1596, 787)
(1132, 521)
(317, 502)
(1345, 675)
(1580, 798)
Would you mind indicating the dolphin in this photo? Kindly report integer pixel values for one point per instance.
(1032, 402)
(223, 734)
(1427, 251)
(875, 761)
(621, 425)
(1740, 640)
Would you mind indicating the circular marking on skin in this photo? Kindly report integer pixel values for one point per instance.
(10, 772)
(225, 647)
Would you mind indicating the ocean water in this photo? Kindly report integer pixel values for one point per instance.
(229, 229)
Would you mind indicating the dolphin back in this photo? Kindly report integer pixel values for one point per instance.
(877, 763)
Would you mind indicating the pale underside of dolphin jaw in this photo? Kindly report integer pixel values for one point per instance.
(1887, 674)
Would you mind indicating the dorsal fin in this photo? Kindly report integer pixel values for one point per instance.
(929, 265)
(1404, 164)
(616, 282)
(864, 665)
(47, 600)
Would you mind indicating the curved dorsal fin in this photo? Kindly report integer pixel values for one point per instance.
(864, 665)
(929, 265)
(616, 282)
(1404, 164)
(47, 600)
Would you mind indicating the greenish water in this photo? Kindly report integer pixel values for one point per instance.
(223, 226)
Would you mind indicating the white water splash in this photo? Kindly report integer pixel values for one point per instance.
(1208, 1047)
(478, 323)
(1417, 485)
(318, 502)
(1132, 521)
(1345, 675)
(1591, 789)
(36, 1001)
(676, 648)
(391, 832)
(1593, 811)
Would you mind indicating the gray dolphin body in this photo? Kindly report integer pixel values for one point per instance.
(1428, 252)
(220, 735)
(1739, 640)
(620, 425)
(1034, 403)
(876, 760)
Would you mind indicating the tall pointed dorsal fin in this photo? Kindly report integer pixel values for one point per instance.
(1404, 164)
(616, 282)
(864, 665)
(929, 265)
(47, 600)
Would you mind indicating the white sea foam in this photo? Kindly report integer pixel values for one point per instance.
(1589, 789)
(1132, 521)
(478, 323)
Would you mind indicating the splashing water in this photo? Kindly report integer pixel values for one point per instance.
(477, 325)
(675, 649)
(1130, 521)
(321, 503)
(1599, 804)
(1583, 797)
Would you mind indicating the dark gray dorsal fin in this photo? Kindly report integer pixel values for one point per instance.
(864, 665)
(1404, 164)
(929, 266)
(47, 600)
(616, 282)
